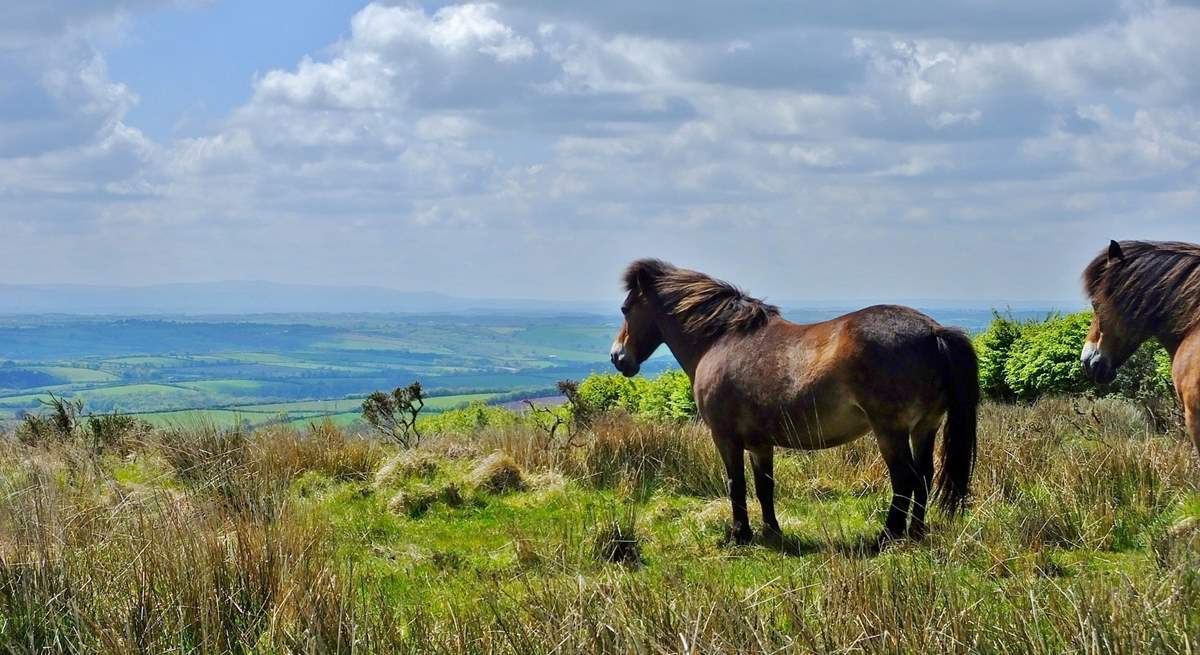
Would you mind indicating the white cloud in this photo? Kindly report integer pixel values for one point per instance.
(498, 128)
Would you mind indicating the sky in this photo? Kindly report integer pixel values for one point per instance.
(967, 149)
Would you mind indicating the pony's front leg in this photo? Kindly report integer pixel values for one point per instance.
(1191, 418)
(734, 458)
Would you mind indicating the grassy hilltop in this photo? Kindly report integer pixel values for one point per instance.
(1083, 537)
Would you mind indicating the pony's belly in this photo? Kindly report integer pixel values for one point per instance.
(808, 433)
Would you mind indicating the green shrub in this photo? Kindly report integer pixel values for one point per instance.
(610, 391)
(111, 431)
(469, 419)
(1030, 360)
(1045, 357)
(1146, 374)
(993, 346)
(668, 396)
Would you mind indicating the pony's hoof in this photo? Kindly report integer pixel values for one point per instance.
(740, 534)
(918, 532)
(886, 538)
(772, 535)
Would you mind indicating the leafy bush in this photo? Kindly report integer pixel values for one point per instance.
(471, 418)
(111, 431)
(65, 422)
(610, 391)
(395, 415)
(668, 396)
(1045, 357)
(1027, 360)
(993, 346)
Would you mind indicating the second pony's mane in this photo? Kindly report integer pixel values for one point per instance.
(1154, 286)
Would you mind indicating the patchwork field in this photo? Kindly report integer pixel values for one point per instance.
(289, 368)
(302, 367)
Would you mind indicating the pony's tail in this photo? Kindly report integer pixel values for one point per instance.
(961, 379)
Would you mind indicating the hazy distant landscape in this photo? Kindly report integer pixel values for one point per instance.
(297, 367)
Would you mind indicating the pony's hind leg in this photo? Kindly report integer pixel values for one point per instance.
(762, 460)
(734, 458)
(923, 439)
(893, 445)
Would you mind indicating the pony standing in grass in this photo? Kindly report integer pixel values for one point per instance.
(1147, 290)
(761, 381)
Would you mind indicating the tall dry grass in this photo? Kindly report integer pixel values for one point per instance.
(213, 553)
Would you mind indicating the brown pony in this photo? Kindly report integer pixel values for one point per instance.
(1147, 290)
(761, 381)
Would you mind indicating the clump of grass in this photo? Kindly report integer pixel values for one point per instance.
(498, 474)
(405, 465)
(323, 448)
(616, 539)
(1178, 546)
(414, 502)
(417, 500)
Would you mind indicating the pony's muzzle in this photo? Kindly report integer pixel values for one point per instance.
(621, 360)
(1096, 366)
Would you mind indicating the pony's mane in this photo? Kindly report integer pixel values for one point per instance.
(703, 305)
(1155, 286)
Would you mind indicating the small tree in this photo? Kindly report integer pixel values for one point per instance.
(578, 414)
(582, 411)
(59, 425)
(394, 415)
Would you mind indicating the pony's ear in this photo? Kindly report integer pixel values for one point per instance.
(1114, 251)
(641, 282)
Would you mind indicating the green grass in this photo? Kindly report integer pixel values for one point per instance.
(313, 406)
(341, 419)
(1078, 541)
(343, 412)
(296, 361)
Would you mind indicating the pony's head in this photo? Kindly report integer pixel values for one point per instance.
(640, 333)
(1112, 337)
(664, 301)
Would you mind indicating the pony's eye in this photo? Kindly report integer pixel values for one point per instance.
(625, 309)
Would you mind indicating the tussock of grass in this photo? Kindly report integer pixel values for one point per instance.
(497, 474)
(616, 540)
(405, 465)
(416, 501)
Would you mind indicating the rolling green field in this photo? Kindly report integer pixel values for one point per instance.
(287, 368)
(303, 367)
